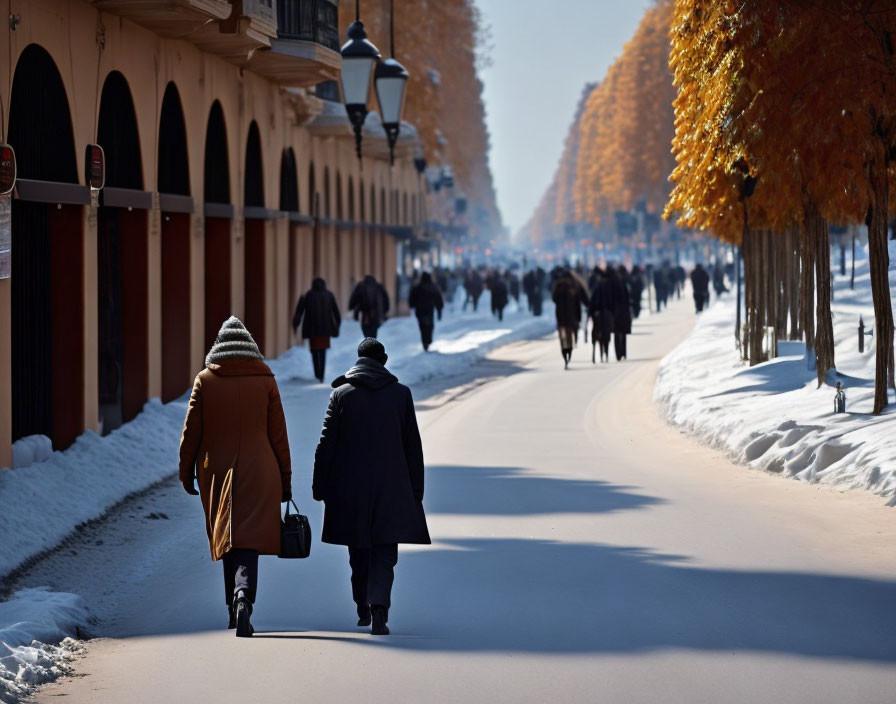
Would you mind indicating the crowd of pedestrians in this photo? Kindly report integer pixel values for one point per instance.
(368, 466)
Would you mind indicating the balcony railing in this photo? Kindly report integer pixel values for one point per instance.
(309, 20)
(262, 10)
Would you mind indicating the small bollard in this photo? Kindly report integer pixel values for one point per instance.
(840, 399)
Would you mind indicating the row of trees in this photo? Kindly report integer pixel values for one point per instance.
(785, 122)
(781, 115)
(437, 42)
(617, 154)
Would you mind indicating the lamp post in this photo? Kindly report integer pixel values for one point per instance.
(390, 79)
(359, 58)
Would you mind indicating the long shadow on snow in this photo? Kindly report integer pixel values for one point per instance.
(508, 491)
(531, 596)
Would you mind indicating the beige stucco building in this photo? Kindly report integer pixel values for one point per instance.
(217, 148)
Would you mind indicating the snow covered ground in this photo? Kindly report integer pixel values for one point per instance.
(44, 503)
(773, 416)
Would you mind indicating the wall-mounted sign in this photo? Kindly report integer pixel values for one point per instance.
(7, 169)
(95, 166)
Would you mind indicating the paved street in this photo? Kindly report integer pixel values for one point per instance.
(583, 551)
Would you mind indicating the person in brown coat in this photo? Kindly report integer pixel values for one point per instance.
(234, 442)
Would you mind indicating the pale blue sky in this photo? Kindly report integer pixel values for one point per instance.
(544, 51)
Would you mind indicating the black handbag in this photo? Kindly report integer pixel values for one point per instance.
(295, 534)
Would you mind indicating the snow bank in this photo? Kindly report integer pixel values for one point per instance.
(773, 416)
(28, 450)
(37, 645)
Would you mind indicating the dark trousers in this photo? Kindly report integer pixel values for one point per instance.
(319, 360)
(373, 571)
(426, 324)
(619, 342)
(240, 572)
(370, 329)
(700, 300)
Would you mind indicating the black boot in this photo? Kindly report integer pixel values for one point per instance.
(232, 612)
(363, 615)
(380, 615)
(243, 608)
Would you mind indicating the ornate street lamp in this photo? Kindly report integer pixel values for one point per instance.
(359, 58)
(390, 79)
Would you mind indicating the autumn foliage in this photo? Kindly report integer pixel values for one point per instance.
(617, 152)
(786, 120)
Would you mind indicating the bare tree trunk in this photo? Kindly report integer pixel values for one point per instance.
(852, 276)
(782, 287)
(817, 230)
(879, 262)
(807, 292)
(793, 249)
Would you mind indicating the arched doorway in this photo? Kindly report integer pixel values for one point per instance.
(122, 269)
(254, 274)
(47, 282)
(289, 203)
(218, 212)
(176, 204)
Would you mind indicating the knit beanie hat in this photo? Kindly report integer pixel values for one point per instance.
(233, 340)
(373, 349)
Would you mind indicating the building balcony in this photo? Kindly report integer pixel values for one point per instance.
(169, 18)
(251, 25)
(305, 50)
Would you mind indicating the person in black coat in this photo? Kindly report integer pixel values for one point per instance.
(498, 289)
(622, 312)
(700, 284)
(569, 295)
(513, 285)
(368, 471)
(318, 314)
(474, 287)
(426, 300)
(370, 303)
(601, 310)
(636, 290)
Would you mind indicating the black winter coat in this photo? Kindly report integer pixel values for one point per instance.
(569, 296)
(603, 308)
(317, 312)
(370, 301)
(425, 298)
(499, 293)
(700, 280)
(622, 312)
(368, 466)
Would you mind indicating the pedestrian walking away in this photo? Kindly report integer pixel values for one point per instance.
(622, 312)
(601, 309)
(368, 471)
(473, 286)
(370, 304)
(234, 445)
(318, 314)
(569, 295)
(427, 302)
(636, 290)
(498, 288)
(700, 284)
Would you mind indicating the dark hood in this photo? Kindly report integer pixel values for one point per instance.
(318, 284)
(366, 374)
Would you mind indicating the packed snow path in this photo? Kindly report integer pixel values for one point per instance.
(583, 552)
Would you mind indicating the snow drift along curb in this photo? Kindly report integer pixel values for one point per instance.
(773, 416)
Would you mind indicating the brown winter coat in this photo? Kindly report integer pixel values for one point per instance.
(235, 436)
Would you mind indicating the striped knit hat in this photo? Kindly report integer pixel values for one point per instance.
(233, 340)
